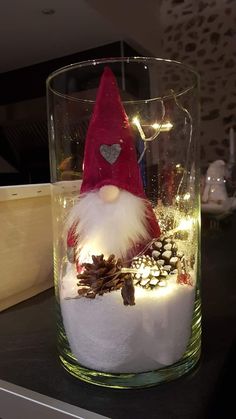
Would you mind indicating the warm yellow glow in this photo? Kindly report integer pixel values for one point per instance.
(86, 253)
(85, 256)
(144, 271)
(187, 196)
(184, 197)
(185, 224)
(167, 126)
(135, 120)
(158, 292)
(138, 125)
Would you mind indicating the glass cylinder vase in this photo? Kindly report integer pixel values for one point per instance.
(125, 174)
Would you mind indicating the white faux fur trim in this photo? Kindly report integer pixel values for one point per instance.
(108, 228)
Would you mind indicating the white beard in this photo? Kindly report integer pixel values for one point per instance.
(108, 228)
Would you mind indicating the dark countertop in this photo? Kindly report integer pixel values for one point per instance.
(29, 355)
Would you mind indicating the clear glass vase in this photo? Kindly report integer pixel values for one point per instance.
(125, 175)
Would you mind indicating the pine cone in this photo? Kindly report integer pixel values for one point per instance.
(102, 276)
(157, 276)
(165, 252)
(163, 263)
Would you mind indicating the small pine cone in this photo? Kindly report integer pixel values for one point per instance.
(165, 252)
(100, 277)
(142, 277)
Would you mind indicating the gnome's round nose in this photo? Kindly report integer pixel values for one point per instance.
(109, 193)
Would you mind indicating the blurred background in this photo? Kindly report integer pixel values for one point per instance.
(38, 37)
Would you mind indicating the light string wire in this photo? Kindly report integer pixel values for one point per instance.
(189, 117)
(154, 136)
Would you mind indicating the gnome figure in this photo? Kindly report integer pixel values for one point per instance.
(112, 215)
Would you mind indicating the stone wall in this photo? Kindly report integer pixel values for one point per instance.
(203, 35)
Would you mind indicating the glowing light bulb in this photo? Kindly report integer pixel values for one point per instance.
(186, 196)
(144, 271)
(185, 224)
(167, 126)
(138, 125)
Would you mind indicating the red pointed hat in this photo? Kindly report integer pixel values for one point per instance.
(110, 156)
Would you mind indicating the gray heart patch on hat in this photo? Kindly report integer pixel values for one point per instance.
(110, 152)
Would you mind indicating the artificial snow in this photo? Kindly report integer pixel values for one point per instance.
(107, 336)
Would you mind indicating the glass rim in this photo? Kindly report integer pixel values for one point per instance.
(93, 62)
